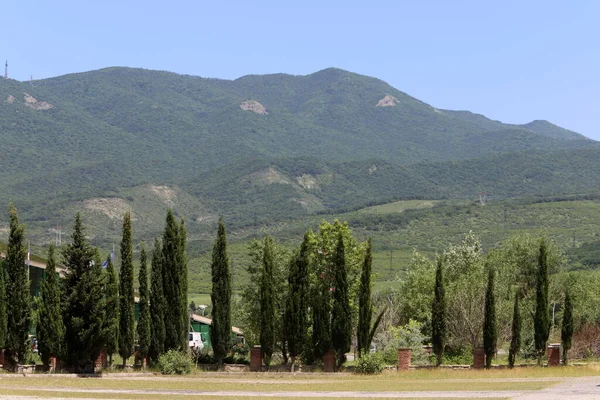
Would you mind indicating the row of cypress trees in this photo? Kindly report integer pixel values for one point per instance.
(490, 332)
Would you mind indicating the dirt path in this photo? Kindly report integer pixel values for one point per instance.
(586, 388)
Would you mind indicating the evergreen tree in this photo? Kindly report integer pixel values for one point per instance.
(84, 303)
(490, 331)
(341, 329)
(17, 291)
(296, 318)
(220, 330)
(515, 341)
(365, 307)
(182, 264)
(112, 309)
(566, 334)
(175, 330)
(3, 305)
(126, 295)
(267, 305)
(157, 304)
(321, 315)
(438, 315)
(541, 320)
(50, 327)
(143, 325)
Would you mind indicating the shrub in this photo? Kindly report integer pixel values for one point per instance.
(369, 364)
(175, 362)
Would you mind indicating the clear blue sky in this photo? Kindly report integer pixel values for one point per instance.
(511, 60)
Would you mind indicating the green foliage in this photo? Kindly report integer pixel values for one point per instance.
(515, 340)
(369, 364)
(365, 307)
(50, 329)
(438, 314)
(341, 318)
(175, 363)
(566, 333)
(220, 330)
(3, 304)
(143, 325)
(182, 271)
(17, 291)
(267, 305)
(157, 304)
(490, 331)
(542, 317)
(112, 308)
(408, 335)
(126, 294)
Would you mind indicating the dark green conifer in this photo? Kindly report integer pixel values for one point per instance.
(50, 327)
(112, 309)
(267, 305)
(365, 307)
(438, 315)
(515, 341)
(566, 334)
(341, 328)
(321, 315)
(541, 320)
(126, 294)
(17, 291)
(175, 330)
(143, 325)
(220, 297)
(3, 305)
(490, 331)
(182, 263)
(157, 304)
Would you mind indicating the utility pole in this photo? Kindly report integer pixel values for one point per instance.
(6, 70)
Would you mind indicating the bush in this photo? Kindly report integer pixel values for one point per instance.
(369, 364)
(175, 362)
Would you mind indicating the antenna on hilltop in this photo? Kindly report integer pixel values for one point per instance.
(31, 80)
(6, 70)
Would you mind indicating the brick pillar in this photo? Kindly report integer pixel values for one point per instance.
(478, 358)
(2, 358)
(554, 354)
(53, 365)
(404, 358)
(329, 361)
(255, 358)
(102, 360)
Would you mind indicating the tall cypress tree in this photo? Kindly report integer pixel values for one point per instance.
(126, 295)
(182, 264)
(566, 332)
(50, 327)
(17, 291)
(541, 320)
(490, 331)
(84, 303)
(321, 315)
(157, 304)
(438, 315)
(143, 325)
(175, 331)
(296, 309)
(3, 305)
(267, 305)
(515, 341)
(341, 329)
(220, 330)
(112, 309)
(365, 307)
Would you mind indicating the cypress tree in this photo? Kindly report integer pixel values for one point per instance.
(267, 305)
(365, 307)
(84, 303)
(157, 304)
(112, 309)
(341, 329)
(321, 305)
(175, 331)
(220, 330)
(143, 325)
(296, 318)
(438, 315)
(515, 341)
(183, 284)
(541, 320)
(17, 291)
(126, 295)
(3, 316)
(490, 331)
(50, 327)
(566, 333)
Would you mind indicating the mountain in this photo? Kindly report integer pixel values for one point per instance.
(259, 147)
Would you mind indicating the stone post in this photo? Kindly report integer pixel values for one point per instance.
(255, 358)
(329, 361)
(554, 354)
(53, 365)
(404, 354)
(478, 358)
(102, 361)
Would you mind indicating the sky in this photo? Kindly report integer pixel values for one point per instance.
(514, 61)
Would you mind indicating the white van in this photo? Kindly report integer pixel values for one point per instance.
(195, 340)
